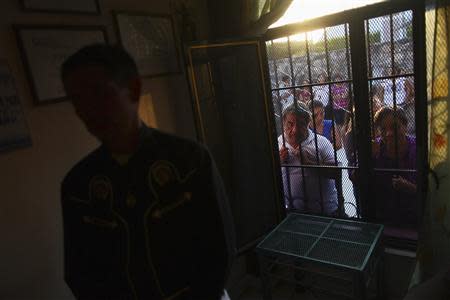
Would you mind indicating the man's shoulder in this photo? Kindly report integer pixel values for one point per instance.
(311, 139)
(325, 148)
(83, 166)
(179, 150)
(322, 141)
(170, 143)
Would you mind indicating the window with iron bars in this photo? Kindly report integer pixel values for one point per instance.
(314, 108)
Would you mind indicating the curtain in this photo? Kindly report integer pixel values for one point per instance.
(258, 15)
(434, 240)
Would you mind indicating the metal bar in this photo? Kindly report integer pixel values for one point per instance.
(369, 50)
(372, 112)
(291, 64)
(312, 84)
(394, 90)
(351, 120)
(201, 133)
(351, 168)
(319, 167)
(359, 75)
(316, 144)
(237, 43)
(266, 86)
(329, 238)
(421, 113)
(295, 105)
(280, 108)
(352, 102)
(319, 238)
(374, 246)
(308, 62)
(369, 58)
(395, 170)
(391, 76)
(275, 67)
(330, 95)
(433, 71)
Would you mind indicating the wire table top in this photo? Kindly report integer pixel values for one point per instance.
(342, 243)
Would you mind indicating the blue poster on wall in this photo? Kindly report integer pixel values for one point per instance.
(13, 127)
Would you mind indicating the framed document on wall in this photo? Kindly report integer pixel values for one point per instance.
(62, 6)
(150, 39)
(13, 127)
(44, 49)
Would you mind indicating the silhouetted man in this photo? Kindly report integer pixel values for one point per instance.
(145, 214)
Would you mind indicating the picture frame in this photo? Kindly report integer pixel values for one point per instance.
(14, 131)
(151, 41)
(90, 7)
(45, 47)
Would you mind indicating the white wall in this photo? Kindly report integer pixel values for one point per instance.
(31, 249)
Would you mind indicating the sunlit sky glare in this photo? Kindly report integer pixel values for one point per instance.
(301, 10)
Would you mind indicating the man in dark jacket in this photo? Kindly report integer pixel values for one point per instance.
(145, 214)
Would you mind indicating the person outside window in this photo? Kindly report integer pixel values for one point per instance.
(394, 149)
(321, 92)
(304, 94)
(323, 126)
(340, 94)
(309, 190)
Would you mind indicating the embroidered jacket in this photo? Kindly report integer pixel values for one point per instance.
(156, 227)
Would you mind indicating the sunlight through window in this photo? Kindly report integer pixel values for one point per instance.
(301, 10)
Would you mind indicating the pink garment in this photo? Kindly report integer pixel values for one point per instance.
(303, 95)
(340, 96)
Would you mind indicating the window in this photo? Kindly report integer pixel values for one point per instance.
(328, 77)
(312, 70)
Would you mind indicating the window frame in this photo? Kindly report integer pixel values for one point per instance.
(356, 19)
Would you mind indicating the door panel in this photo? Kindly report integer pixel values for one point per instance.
(234, 122)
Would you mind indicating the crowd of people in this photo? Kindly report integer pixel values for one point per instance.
(317, 122)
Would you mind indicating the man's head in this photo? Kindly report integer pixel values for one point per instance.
(338, 77)
(318, 111)
(103, 83)
(392, 124)
(285, 79)
(296, 119)
(322, 78)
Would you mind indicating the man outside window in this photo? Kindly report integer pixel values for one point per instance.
(310, 189)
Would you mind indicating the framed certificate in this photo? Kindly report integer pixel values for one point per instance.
(14, 131)
(44, 49)
(150, 39)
